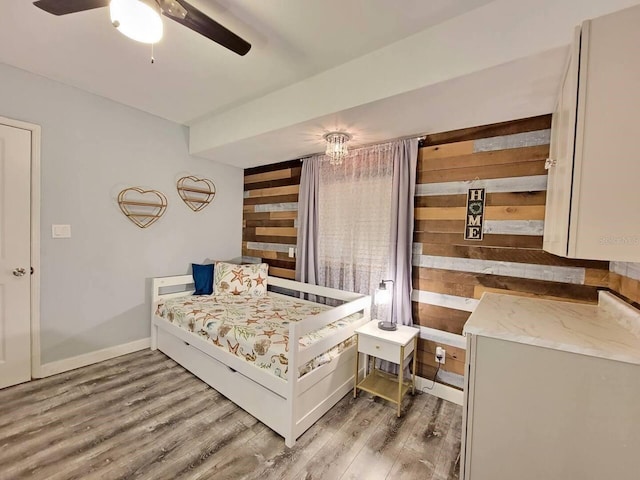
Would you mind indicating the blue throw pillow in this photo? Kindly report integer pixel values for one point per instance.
(203, 278)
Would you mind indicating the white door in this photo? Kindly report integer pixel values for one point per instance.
(15, 255)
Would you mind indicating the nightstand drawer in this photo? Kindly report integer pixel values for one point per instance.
(379, 348)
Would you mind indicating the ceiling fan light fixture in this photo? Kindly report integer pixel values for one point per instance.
(136, 20)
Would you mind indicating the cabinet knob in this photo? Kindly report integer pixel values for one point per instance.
(549, 162)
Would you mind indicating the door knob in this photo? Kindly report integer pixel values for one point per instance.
(19, 272)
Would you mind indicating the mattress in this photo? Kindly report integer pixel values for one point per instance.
(254, 328)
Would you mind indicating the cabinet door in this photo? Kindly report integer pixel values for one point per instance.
(605, 214)
(467, 407)
(561, 158)
(543, 414)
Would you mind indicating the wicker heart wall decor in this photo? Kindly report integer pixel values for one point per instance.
(142, 207)
(196, 192)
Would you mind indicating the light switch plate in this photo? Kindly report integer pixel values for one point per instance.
(292, 252)
(60, 231)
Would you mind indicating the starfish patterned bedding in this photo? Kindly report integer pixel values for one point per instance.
(255, 328)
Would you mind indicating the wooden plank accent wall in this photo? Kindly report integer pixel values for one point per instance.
(624, 280)
(269, 215)
(451, 274)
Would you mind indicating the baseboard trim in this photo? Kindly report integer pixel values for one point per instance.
(440, 390)
(59, 366)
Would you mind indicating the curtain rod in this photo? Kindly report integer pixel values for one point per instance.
(420, 138)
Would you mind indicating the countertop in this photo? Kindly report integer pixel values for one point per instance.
(610, 329)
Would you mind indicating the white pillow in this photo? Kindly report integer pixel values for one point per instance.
(233, 279)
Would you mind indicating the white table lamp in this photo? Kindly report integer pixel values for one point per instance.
(382, 297)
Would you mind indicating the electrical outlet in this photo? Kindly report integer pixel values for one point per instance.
(441, 354)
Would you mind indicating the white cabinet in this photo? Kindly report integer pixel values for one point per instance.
(543, 414)
(593, 201)
(551, 391)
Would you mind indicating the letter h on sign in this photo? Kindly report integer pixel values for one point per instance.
(475, 214)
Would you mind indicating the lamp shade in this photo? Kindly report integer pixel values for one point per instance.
(382, 295)
(136, 20)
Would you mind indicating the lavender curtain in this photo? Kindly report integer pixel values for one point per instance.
(405, 161)
(404, 157)
(307, 242)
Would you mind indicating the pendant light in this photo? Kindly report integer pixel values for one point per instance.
(337, 149)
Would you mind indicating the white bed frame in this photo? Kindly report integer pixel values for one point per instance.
(288, 407)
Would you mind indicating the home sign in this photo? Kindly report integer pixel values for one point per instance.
(474, 225)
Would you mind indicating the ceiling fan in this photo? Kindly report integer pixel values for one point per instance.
(140, 19)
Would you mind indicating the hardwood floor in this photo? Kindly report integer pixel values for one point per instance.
(142, 416)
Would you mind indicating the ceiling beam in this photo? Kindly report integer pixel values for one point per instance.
(495, 34)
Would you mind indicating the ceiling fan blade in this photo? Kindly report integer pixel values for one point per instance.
(199, 22)
(64, 7)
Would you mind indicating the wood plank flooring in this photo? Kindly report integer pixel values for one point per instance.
(142, 416)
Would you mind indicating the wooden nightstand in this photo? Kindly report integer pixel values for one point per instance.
(396, 347)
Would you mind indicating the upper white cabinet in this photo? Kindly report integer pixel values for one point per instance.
(593, 196)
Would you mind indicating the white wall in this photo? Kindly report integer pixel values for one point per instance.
(94, 290)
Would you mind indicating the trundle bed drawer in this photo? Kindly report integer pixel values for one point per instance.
(249, 395)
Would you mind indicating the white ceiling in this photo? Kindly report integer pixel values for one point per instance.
(379, 68)
(193, 76)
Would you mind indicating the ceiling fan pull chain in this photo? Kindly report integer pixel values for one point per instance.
(153, 60)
